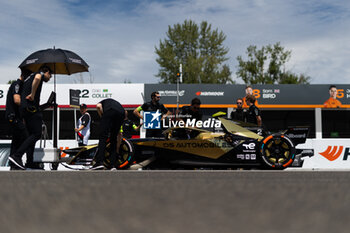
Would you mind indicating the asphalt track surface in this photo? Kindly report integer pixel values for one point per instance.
(175, 201)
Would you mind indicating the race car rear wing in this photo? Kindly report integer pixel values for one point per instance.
(297, 134)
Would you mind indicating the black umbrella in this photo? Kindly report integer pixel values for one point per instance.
(60, 62)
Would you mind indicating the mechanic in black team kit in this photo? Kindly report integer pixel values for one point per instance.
(153, 105)
(112, 115)
(253, 114)
(128, 127)
(239, 114)
(193, 111)
(12, 115)
(30, 100)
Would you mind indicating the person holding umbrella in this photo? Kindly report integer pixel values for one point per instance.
(30, 100)
(60, 61)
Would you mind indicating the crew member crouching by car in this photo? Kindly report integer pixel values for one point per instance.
(112, 115)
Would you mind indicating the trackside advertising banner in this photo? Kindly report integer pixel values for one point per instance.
(90, 94)
(211, 95)
(328, 154)
(268, 96)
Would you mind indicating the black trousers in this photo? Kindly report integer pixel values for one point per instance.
(19, 134)
(33, 124)
(110, 124)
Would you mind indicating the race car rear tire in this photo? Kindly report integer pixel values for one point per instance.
(125, 158)
(126, 152)
(277, 151)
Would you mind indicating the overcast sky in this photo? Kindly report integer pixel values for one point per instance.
(117, 37)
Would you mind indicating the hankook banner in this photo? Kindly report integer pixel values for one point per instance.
(268, 96)
(328, 154)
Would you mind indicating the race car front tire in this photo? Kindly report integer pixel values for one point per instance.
(277, 151)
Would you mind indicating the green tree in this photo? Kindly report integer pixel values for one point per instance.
(199, 49)
(267, 66)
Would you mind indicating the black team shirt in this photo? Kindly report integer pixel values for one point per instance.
(108, 104)
(149, 106)
(27, 89)
(186, 110)
(11, 107)
(253, 112)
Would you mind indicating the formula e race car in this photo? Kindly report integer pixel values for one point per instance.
(193, 148)
(81, 158)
